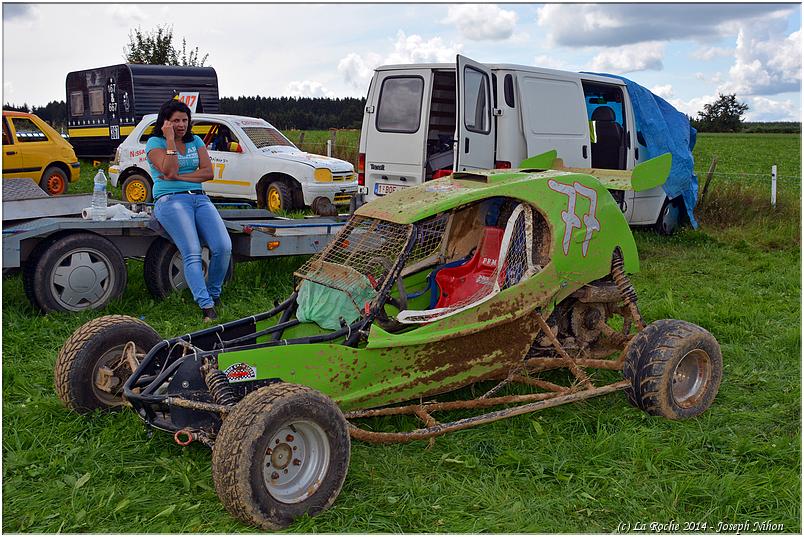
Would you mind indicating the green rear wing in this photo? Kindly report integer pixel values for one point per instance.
(644, 176)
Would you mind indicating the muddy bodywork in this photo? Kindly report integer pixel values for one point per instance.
(362, 365)
(478, 343)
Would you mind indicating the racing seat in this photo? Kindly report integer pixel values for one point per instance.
(608, 151)
(456, 284)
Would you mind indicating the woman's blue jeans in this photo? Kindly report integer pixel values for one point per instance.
(190, 220)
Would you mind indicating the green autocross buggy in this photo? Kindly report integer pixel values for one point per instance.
(518, 277)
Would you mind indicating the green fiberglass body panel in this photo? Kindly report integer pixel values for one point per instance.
(585, 228)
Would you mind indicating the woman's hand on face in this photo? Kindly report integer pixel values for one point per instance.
(167, 130)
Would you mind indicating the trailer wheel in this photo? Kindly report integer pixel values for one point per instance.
(76, 272)
(675, 369)
(278, 197)
(281, 453)
(164, 268)
(91, 368)
(137, 189)
(54, 181)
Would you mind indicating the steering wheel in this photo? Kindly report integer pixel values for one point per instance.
(401, 303)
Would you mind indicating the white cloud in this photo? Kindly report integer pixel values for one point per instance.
(482, 21)
(629, 58)
(710, 53)
(357, 69)
(307, 88)
(622, 24)
(765, 109)
(765, 64)
(551, 62)
(124, 14)
(664, 91)
(692, 106)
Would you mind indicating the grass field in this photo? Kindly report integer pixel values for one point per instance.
(578, 468)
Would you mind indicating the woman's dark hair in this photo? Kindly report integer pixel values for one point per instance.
(167, 111)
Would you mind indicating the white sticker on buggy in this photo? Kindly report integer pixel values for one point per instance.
(240, 372)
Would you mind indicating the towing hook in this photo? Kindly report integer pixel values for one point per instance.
(184, 437)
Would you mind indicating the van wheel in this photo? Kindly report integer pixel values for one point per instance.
(669, 218)
(278, 197)
(76, 272)
(137, 189)
(54, 181)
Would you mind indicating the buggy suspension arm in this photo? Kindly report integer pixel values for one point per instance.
(548, 400)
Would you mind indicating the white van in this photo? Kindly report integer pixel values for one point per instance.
(421, 122)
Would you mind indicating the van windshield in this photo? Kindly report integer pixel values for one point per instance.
(266, 137)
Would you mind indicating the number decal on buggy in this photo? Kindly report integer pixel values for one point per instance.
(219, 167)
(571, 220)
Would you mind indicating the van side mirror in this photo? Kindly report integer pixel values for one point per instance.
(234, 147)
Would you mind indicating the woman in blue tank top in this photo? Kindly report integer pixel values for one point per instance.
(179, 164)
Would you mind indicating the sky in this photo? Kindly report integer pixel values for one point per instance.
(686, 53)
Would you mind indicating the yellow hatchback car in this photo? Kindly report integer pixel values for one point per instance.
(32, 148)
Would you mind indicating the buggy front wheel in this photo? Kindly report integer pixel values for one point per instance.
(281, 453)
(92, 366)
(674, 368)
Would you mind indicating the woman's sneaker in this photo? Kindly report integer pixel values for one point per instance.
(210, 314)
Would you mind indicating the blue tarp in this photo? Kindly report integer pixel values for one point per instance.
(665, 130)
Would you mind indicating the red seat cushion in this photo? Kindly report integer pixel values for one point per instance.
(456, 284)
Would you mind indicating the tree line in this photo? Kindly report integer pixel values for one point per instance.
(302, 113)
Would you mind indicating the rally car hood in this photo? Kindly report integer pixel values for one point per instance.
(293, 154)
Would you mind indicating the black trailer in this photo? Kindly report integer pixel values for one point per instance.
(104, 104)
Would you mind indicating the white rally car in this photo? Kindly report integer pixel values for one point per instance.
(251, 160)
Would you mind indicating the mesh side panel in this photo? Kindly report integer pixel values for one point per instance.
(362, 254)
(513, 264)
(429, 238)
(265, 137)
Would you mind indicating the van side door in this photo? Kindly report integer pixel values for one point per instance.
(554, 117)
(474, 125)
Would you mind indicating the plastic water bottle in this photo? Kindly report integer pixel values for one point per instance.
(99, 200)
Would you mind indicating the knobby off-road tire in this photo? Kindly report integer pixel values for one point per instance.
(99, 343)
(675, 368)
(282, 452)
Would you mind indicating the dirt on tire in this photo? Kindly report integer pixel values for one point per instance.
(82, 350)
(241, 444)
(651, 362)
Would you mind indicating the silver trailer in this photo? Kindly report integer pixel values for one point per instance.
(69, 263)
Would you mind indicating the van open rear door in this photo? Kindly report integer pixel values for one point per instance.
(394, 134)
(474, 124)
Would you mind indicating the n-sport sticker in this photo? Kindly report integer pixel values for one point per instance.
(240, 372)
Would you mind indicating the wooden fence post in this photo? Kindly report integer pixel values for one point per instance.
(301, 138)
(709, 175)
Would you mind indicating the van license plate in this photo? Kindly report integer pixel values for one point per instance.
(382, 189)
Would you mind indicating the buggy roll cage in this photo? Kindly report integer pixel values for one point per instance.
(145, 391)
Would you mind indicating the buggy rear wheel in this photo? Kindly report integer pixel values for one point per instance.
(91, 367)
(281, 453)
(675, 369)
